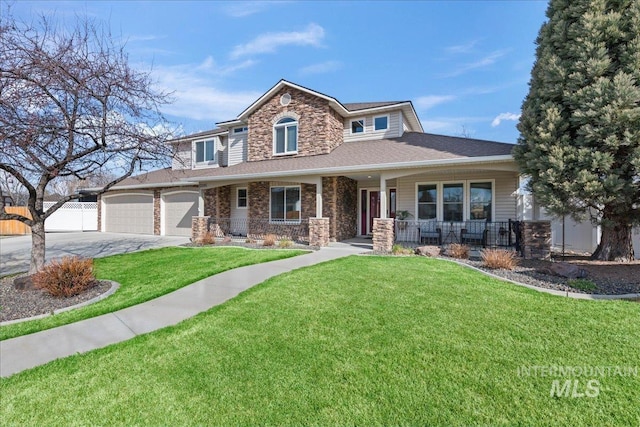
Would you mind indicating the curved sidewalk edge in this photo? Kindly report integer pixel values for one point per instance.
(28, 351)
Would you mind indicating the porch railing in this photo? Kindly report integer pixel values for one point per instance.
(257, 229)
(473, 233)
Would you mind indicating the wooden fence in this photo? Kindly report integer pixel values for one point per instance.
(9, 227)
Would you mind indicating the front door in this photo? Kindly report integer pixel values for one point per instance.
(374, 208)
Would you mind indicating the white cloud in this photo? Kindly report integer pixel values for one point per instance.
(451, 125)
(486, 61)
(504, 116)
(240, 9)
(196, 95)
(430, 101)
(321, 68)
(270, 42)
(461, 48)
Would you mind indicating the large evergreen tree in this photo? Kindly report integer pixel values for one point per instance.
(580, 124)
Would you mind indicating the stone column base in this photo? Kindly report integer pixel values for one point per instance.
(383, 235)
(199, 227)
(318, 232)
(536, 239)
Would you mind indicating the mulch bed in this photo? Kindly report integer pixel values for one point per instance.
(610, 278)
(20, 304)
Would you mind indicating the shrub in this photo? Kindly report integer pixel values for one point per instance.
(398, 249)
(250, 241)
(456, 250)
(582, 284)
(207, 239)
(269, 240)
(285, 243)
(65, 278)
(499, 259)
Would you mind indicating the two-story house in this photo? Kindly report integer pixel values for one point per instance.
(296, 154)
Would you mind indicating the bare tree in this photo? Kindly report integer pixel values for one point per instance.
(72, 185)
(11, 187)
(72, 106)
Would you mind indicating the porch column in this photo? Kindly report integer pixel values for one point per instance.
(319, 197)
(383, 196)
(201, 201)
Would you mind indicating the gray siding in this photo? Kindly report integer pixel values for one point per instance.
(237, 148)
(505, 185)
(395, 127)
(182, 158)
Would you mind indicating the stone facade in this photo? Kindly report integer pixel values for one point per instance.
(156, 212)
(340, 205)
(382, 235)
(199, 227)
(320, 128)
(217, 202)
(318, 232)
(308, 201)
(259, 199)
(536, 239)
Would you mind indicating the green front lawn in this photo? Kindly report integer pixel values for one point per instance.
(360, 340)
(149, 274)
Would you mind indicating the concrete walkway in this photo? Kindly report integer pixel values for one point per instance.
(20, 353)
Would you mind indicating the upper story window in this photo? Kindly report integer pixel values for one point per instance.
(357, 126)
(204, 152)
(285, 136)
(242, 129)
(381, 123)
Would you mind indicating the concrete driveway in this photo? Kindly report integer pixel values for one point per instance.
(15, 252)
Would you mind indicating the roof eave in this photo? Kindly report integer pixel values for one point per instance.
(180, 183)
(282, 83)
(358, 168)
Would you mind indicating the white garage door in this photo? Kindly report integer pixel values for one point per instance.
(179, 208)
(129, 213)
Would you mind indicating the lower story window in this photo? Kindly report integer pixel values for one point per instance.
(480, 200)
(452, 202)
(455, 201)
(241, 198)
(285, 203)
(427, 201)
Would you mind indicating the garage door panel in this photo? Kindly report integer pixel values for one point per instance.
(179, 209)
(129, 214)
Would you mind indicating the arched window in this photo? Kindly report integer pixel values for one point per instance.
(285, 136)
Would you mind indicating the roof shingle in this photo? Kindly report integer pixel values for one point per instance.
(410, 148)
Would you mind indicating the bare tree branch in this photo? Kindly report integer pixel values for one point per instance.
(71, 107)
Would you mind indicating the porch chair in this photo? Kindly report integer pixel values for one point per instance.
(475, 232)
(430, 232)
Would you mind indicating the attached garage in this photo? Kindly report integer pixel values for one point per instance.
(179, 208)
(128, 213)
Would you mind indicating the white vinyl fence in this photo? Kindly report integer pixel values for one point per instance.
(73, 216)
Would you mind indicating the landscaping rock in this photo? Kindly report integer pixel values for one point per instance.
(430, 251)
(564, 269)
(24, 283)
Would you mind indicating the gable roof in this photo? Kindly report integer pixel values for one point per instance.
(356, 106)
(345, 110)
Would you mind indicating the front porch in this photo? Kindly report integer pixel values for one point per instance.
(484, 234)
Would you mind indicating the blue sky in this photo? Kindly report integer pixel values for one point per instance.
(464, 64)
